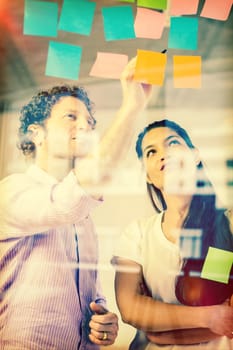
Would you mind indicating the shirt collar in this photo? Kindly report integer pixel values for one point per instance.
(40, 175)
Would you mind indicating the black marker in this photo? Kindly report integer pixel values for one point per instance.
(164, 51)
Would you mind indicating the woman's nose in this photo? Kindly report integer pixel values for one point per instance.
(161, 154)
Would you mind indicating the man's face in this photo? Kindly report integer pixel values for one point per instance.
(69, 129)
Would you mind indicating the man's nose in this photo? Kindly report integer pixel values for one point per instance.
(82, 123)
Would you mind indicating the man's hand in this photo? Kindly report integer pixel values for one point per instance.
(135, 95)
(103, 325)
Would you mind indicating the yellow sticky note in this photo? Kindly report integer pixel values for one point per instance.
(187, 71)
(217, 265)
(150, 67)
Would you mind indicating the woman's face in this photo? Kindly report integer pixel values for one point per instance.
(169, 163)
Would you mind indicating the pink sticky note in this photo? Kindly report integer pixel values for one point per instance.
(149, 24)
(183, 7)
(108, 65)
(217, 9)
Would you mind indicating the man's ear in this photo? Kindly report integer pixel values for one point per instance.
(36, 133)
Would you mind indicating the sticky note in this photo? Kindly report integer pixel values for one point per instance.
(153, 4)
(77, 16)
(63, 60)
(40, 18)
(149, 23)
(109, 65)
(187, 71)
(183, 33)
(150, 67)
(181, 7)
(217, 265)
(217, 9)
(118, 22)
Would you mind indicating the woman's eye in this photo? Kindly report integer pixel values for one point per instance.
(150, 153)
(174, 142)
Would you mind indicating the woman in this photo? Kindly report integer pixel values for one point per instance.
(149, 280)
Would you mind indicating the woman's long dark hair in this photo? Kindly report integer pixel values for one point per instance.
(203, 214)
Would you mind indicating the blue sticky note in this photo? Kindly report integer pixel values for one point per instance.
(40, 18)
(63, 60)
(183, 33)
(77, 16)
(118, 22)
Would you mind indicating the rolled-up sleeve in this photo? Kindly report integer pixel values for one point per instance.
(28, 206)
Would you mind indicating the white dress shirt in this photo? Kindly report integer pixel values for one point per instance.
(43, 306)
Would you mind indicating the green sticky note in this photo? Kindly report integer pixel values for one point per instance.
(77, 16)
(153, 4)
(63, 60)
(183, 33)
(40, 18)
(118, 22)
(217, 265)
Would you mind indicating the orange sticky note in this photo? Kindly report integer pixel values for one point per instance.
(217, 9)
(150, 67)
(181, 7)
(149, 23)
(187, 71)
(109, 65)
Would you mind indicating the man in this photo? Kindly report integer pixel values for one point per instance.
(49, 289)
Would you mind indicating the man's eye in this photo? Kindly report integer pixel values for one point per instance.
(70, 116)
(150, 153)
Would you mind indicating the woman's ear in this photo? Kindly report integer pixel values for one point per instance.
(148, 180)
(36, 133)
(196, 155)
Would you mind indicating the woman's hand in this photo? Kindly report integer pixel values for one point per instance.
(221, 320)
(182, 336)
(103, 325)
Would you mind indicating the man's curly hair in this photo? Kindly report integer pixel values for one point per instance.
(39, 109)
